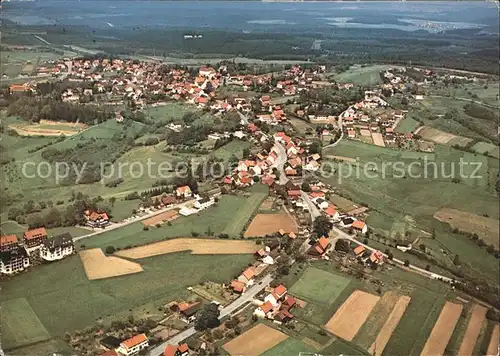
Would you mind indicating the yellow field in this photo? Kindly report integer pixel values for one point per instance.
(255, 341)
(473, 329)
(351, 315)
(98, 266)
(197, 246)
(441, 333)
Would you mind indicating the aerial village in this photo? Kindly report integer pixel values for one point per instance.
(285, 162)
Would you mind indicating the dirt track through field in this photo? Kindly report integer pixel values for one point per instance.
(442, 330)
(98, 266)
(493, 345)
(255, 341)
(197, 246)
(268, 224)
(349, 318)
(473, 329)
(390, 325)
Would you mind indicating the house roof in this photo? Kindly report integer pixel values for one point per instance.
(189, 309)
(238, 286)
(292, 235)
(358, 224)
(171, 350)
(323, 242)
(294, 193)
(317, 194)
(183, 189)
(261, 252)
(31, 234)
(290, 301)
(359, 250)
(134, 341)
(13, 254)
(249, 273)
(280, 290)
(62, 240)
(268, 180)
(331, 210)
(281, 231)
(8, 240)
(169, 199)
(266, 307)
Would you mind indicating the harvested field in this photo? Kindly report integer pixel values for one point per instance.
(268, 224)
(197, 246)
(486, 228)
(349, 318)
(378, 139)
(342, 203)
(390, 325)
(365, 132)
(442, 330)
(493, 345)
(160, 218)
(255, 341)
(473, 329)
(98, 266)
(442, 137)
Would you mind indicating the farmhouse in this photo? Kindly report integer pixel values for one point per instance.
(57, 247)
(358, 251)
(320, 247)
(179, 350)
(133, 345)
(187, 312)
(183, 192)
(96, 219)
(360, 226)
(14, 260)
(34, 238)
(238, 287)
(168, 200)
(8, 242)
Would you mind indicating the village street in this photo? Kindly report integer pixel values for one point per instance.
(246, 297)
(133, 220)
(280, 163)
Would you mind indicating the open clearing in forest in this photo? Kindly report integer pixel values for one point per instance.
(98, 266)
(197, 246)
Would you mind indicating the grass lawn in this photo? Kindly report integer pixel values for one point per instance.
(319, 286)
(289, 346)
(20, 325)
(407, 125)
(12, 227)
(217, 219)
(342, 347)
(74, 231)
(241, 217)
(369, 75)
(64, 299)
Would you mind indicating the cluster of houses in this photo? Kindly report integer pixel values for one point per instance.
(16, 254)
(247, 277)
(368, 257)
(276, 306)
(113, 346)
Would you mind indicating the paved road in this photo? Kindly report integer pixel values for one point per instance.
(244, 118)
(313, 209)
(131, 221)
(280, 163)
(343, 235)
(341, 134)
(246, 297)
